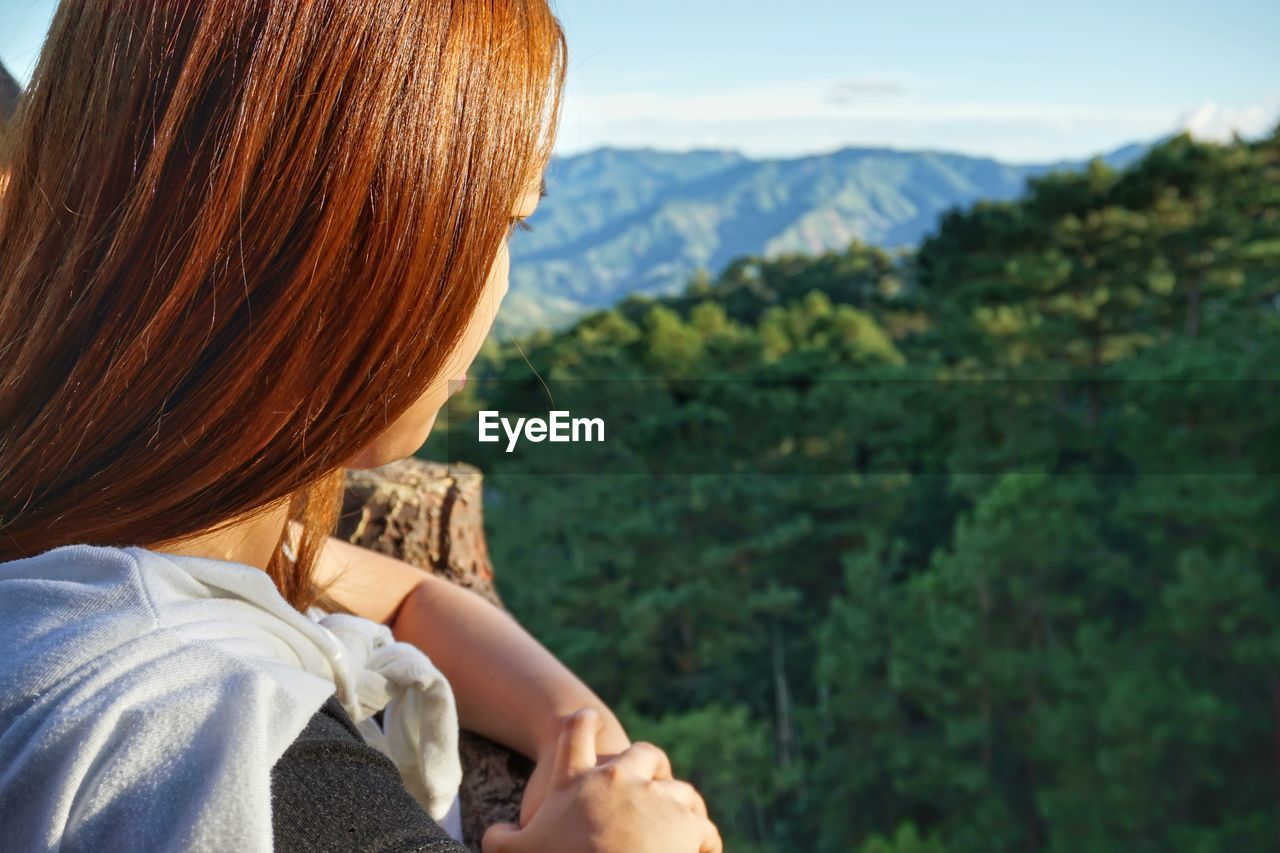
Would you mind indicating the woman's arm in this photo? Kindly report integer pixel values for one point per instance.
(332, 791)
(507, 685)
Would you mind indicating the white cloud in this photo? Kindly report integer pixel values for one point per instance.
(816, 115)
(811, 100)
(858, 88)
(1219, 122)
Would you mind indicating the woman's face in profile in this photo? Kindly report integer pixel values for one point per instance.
(408, 432)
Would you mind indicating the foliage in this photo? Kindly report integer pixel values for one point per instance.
(988, 560)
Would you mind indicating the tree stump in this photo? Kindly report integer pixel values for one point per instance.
(431, 516)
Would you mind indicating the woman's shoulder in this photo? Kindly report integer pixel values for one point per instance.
(86, 615)
(179, 704)
(115, 727)
(61, 610)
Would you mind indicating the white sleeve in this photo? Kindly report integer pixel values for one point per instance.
(163, 745)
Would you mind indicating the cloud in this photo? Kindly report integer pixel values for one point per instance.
(814, 99)
(809, 116)
(1220, 122)
(848, 91)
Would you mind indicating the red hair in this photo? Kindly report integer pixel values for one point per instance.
(239, 239)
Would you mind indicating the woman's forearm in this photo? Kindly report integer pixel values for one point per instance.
(507, 685)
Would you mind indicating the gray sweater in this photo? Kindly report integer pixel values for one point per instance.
(331, 791)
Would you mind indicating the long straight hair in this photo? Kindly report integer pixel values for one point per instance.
(239, 239)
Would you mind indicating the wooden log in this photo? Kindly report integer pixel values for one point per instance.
(431, 516)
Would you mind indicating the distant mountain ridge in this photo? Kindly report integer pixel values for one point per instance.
(9, 93)
(621, 221)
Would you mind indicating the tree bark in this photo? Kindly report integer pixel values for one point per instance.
(431, 516)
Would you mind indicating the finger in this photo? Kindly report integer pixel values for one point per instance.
(576, 744)
(644, 760)
(711, 840)
(684, 793)
(497, 836)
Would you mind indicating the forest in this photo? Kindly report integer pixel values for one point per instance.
(970, 547)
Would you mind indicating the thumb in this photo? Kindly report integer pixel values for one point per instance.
(497, 837)
(576, 744)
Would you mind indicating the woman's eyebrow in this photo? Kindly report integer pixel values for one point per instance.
(542, 189)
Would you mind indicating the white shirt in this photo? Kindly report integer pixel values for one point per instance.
(145, 697)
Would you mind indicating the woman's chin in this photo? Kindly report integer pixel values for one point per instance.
(392, 448)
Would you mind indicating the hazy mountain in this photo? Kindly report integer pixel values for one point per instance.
(622, 221)
(9, 91)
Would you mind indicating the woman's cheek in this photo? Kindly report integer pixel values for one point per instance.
(407, 433)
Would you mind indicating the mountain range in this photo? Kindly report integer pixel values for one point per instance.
(9, 92)
(623, 221)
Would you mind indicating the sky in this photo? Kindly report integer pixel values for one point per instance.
(1028, 81)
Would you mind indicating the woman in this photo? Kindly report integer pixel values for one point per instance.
(245, 244)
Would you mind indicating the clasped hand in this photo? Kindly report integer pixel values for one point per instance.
(577, 801)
